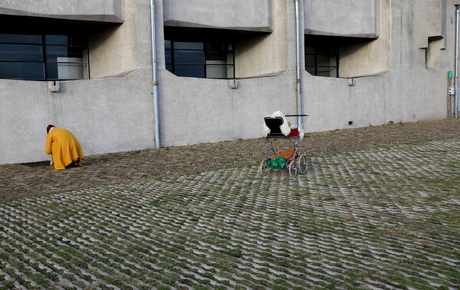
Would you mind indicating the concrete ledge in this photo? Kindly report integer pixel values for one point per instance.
(94, 10)
(342, 18)
(254, 15)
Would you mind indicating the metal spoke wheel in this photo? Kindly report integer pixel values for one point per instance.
(303, 166)
(293, 170)
(263, 168)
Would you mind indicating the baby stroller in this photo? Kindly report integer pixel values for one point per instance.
(277, 128)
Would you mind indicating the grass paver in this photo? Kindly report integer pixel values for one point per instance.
(385, 217)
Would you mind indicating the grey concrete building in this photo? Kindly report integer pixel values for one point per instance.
(209, 70)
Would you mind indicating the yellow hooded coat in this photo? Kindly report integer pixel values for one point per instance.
(64, 147)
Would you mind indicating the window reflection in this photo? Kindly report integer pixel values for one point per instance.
(21, 52)
(43, 57)
(19, 38)
(200, 59)
(22, 70)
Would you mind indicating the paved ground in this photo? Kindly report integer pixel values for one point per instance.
(39, 178)
(379, 208)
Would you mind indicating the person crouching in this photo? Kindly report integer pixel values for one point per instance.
(64, 148)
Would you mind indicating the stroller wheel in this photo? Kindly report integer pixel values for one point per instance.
(293, 170)
(263, 168)
(303, 166)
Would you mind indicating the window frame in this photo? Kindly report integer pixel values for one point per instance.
(48, 65)
(206, 64)
(318, 51)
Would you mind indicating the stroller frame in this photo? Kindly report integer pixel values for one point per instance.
(295, 163)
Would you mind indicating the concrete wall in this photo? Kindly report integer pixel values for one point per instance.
(204, 110)
(356, 18)
(371, 57)
(253, 15)
(332, 103)
(114, 50)
(110, 114)
(401, 96)
(266, 54)
(405, 87)
(106, 115)
(94, 10)
(429, 20)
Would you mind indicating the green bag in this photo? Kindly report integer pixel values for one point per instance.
(277, 163)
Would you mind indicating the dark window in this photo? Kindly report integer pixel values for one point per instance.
(322, 61)
(200, 59)
(322, 55)
(43, 57)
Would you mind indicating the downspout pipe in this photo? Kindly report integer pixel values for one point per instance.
(457, 39)
(155, 76)
(298, 59)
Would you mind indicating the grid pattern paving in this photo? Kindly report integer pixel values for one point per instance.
(380, 218)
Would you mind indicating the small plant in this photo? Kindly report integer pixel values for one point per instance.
(234, 253)
(435, 198)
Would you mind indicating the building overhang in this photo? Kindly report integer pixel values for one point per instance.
(107, 11)
(254, 15)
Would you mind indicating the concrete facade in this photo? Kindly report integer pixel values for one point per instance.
(394, 57)
(254, 15)
(357, 18)
(97, 10)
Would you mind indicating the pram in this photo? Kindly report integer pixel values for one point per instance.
(278, 129)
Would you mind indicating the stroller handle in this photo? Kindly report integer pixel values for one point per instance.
(301, 120)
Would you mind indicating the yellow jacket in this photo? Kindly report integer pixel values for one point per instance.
(64, 147)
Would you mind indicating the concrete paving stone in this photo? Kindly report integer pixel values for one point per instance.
(341, 222)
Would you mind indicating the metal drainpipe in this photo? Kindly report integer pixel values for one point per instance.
(154, 76)
(298, 68)
(457, 32)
